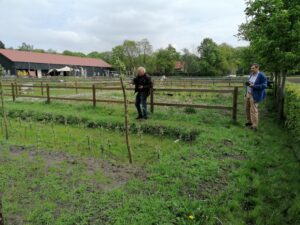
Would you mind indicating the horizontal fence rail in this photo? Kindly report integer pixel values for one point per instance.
(104, 81)
(16, 90)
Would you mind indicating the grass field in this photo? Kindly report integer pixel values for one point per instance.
(67, 164)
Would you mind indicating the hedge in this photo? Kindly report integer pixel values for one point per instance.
(292, 109)
(184, 134)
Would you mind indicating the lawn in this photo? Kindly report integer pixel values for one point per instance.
(67, 164)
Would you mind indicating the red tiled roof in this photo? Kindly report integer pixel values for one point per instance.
(179, 65)
(34, 57)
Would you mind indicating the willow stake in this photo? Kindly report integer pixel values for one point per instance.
(3, 112)
(126, 121)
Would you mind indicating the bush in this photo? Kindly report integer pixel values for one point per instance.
(292, 109)
(157, 130)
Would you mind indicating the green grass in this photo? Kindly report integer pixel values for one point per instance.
(227, 175)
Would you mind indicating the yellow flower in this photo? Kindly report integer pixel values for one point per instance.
(191, 217)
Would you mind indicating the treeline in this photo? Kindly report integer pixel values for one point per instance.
(209, 59)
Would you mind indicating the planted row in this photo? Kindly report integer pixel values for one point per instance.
(135, 127)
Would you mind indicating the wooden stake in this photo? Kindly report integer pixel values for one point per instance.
(234, 106)
(48, 94)
(3, 112)
(152, 98)
(94, 95)
(42, 88)
(13, 92)
(1, 214)
(126, 122)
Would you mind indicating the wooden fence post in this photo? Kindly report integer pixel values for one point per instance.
(42, 88)
(48, 94)
(13, 92)
(234, 106)
(152, 98)
(16, 89)
(76, 87)
(94, 95)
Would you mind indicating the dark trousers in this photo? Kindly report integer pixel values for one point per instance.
(141, 100)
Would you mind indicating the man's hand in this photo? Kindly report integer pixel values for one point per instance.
(141, 87)
(251, 85)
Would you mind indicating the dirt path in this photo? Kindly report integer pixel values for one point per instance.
(117, 174)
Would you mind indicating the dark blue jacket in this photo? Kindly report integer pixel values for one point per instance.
(258, 90)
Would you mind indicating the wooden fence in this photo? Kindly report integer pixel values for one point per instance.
(45, 90)
(170, 82)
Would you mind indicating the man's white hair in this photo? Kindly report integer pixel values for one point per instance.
(141, 68)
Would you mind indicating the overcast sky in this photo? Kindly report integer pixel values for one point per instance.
(99, 25)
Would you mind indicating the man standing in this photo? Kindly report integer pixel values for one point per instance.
(255, 93)
(143, 86)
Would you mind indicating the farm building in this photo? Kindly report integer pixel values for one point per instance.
(179, 66)
(24, 63)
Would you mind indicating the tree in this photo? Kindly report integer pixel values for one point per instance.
(131, 53)
(273, 29)
(166, 60)
(2, 46)
(210, 58)
(118, 59)
(229, 59)
(26, 47)
(39, 50)
(145, 49)
(245, 57)
(106, 56)
(51, 51)
(191, 62)
(70, 53)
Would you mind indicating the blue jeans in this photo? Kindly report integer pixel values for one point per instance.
(141, 100)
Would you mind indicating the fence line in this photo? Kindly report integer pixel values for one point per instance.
(184, 82)
(16, 92)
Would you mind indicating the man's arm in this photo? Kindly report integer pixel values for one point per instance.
(148, 85)
(263, 83)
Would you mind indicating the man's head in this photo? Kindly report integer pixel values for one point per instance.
(141, 71)
(254, 68)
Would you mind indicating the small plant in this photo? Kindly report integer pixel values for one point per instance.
(190, 110)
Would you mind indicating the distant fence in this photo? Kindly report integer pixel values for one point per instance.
(45, 93)
(114, 82)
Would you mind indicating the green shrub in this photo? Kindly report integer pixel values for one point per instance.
(190, 110)
(292, 109)
(157, 130)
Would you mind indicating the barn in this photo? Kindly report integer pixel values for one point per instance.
(33, 64)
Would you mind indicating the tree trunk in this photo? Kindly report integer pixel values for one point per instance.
(275, 84)
(1, 214)
(281, 95)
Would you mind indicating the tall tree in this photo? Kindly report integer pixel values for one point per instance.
(191, 62)
(70, 53)
(26, 47)
(118, 59)
(145, 50)
(166, 60)
(210, 58)
(229, 59)
(273, 29)
(245, 57)
(131, 52)
(2, 46)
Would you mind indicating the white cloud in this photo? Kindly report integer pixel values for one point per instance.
(102, 24)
